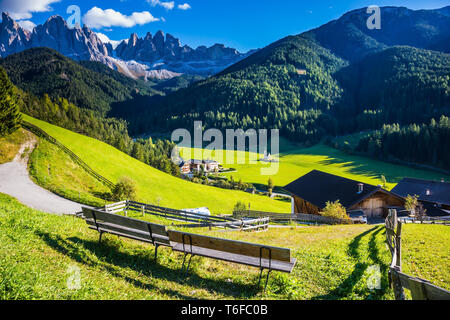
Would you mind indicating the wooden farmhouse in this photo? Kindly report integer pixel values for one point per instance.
(434, 195)
(311, 192)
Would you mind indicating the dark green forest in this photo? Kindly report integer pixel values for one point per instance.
(424, 144)
(9, 105)
(44, 71)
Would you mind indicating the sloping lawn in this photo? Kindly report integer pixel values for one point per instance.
(42, 255)
(295, 162)
(154, 186)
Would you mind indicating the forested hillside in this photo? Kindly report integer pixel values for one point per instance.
(349, 38)
(399, 85)
(339, 79)
(288, 85)
(425, 144)
(42, 70)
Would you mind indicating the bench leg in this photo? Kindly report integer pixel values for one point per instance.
(100, 237)
(267, 278)
(184, 260)
(156, 253)
(260, 274)
(189, 264)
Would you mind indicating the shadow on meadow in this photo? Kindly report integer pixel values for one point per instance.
(353, 164)
(355, 250)
(115, 262)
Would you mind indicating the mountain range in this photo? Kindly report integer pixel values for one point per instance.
(161, 56)
(336, 80)
(333, 80)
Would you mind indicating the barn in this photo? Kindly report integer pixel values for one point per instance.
(311, 192)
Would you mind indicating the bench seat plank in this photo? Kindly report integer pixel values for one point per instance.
(231, 246)
(235, 258)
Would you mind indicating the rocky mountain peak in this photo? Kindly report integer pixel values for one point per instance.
(13, 38)
(148, 37)
(161, 53)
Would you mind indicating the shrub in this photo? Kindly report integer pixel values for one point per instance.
(125, 189)
(411, 203)
(239, 209)
(335, 210)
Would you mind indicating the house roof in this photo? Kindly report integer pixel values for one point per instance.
(439, 191)
(433, 211)
(318, 187)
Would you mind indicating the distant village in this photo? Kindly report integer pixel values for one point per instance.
(193, 166)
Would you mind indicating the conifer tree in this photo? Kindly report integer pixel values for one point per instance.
(9, 105)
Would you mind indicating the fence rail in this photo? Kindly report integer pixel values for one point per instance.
(298, 217)
(195, 220)
(420, 289)
(41, 133)
(426, 220)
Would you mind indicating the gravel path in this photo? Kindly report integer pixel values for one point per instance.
(15, 181)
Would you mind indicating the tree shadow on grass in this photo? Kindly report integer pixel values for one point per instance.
(114, 262)
(348, 285)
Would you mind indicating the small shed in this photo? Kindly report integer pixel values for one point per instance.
(311, 192)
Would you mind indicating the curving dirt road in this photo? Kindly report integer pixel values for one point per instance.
(15, 181)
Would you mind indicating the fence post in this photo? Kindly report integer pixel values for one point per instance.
(143, 211)
(393, 234)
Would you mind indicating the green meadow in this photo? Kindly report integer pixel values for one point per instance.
(41, 254)
(154, 186)
(295, 162)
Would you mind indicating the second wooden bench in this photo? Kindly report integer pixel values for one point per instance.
(250, 254)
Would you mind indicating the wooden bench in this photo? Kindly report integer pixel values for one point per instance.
(250, 254)
(139, 230)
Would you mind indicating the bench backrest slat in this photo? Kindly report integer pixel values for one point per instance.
(230, 246)
(136, 234)
(124, 221)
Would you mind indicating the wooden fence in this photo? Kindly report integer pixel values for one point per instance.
(426, 220)
(195, 220)
(42, 134)
(420, 289)
(297, 217)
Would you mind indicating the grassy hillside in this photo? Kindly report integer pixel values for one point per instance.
(152, 184)
(54, 170)
(296, 161)
(10, 145)
(39, 251)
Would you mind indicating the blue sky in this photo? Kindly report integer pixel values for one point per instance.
(242, 24)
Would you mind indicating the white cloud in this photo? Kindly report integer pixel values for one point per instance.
(98, 18)
(27, 24)
(166, 5)
(185, 6)
(105, 39)
(23, 9)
